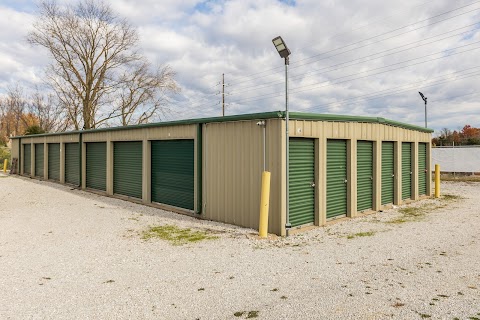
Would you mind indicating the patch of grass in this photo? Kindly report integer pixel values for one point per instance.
(413, 211)
(473, 318)
(252, 314)
(424, 316)
(450, 197)
(239, 313)
(417, 213)
(175, 235)
(361, 234)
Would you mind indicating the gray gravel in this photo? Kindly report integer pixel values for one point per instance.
(68, 254)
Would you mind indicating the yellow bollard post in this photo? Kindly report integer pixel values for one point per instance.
(437, 181)
(5, 163)
(264, 205)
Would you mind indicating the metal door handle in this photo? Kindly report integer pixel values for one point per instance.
(345, 181)
(371, 178)
(393, 175)
(312, 184)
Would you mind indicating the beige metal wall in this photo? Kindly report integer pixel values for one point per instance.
(15, 152)
(232, 170)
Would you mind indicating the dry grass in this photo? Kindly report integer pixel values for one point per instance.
(417, 213)
(175, 235)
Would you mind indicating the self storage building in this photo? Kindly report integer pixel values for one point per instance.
(339, 166)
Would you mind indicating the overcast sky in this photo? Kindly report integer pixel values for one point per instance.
(368, 57)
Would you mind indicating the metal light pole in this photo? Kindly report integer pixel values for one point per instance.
(425, 100)
(284, 52)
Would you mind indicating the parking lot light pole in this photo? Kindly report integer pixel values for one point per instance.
(284, 52)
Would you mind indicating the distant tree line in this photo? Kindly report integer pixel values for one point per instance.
(467, 136)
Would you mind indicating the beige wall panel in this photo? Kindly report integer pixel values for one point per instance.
(233, 167)
(15, 149)
(94, 136)
(69, 138)
(53, 139)
(173, 132)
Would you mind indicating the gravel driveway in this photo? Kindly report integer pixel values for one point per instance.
(68, 254)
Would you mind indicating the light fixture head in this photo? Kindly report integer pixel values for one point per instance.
(281, 47)
(423, 97)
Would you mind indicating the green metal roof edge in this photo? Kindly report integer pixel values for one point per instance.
(345, 118)
(250, 116)
(240, 117)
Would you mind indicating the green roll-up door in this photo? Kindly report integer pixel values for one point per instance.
(336, 178)
(173, 173)
(27, 159)
(71, 164)
(301, 181)
(422, 168)
(406, 170)
(127, 168)
(39, 160)
(388, 172)
(54, 161)
(96, 165)
(364, 175)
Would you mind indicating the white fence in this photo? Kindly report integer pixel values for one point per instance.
(457, 159)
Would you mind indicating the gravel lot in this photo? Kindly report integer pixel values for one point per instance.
(68, 254)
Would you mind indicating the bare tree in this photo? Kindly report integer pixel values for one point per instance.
(92, 49)
(17, 104)
(143, 93)
(50, 115)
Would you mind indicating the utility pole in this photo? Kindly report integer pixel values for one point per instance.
(223, 94)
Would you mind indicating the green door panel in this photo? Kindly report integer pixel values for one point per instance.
(96, 165)
(336, 178)
(27, 159)
(388, 172)
(364, 175)
(39, 160)
(301, 181)
(422, 168)
(173, 173)
(127, 168)
(406, 170)
(54, 161)
(71, 164)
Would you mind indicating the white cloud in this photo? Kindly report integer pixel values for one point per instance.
(203, 39)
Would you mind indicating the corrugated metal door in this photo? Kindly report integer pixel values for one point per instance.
(301, 181)
(364, 175)
(27, 159)
(72, 164)
(388, 172)
(54, 161)
(173, 173)
(336, 178)
(96, 166)
(406, 170)
(422, 168)
(39, 160)
(127, 168)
